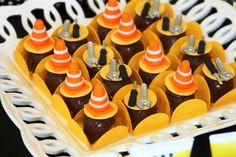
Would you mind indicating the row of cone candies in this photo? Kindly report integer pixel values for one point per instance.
(112, 14)
(74, 83)
(61, 58)
(154, 55)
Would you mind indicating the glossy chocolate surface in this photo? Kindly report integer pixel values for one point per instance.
(128, 51)
(143, 22)
(146, 77)
(195, 61)
(113, 86)
(74, 45)
(53, 80)
(168, 41)
(76, 104)
(94, 128)
(102, 32)
(32, 59)
(93, 71)
(137, 116)
(218, 90)
(175, 100)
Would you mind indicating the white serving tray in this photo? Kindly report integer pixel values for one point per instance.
(11, 79)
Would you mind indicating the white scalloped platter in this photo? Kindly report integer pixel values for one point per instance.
(33, 115)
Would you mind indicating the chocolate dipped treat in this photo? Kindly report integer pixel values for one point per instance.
(115, 76)
(170, 30)
(127, 38)
(109, 19)
(95, 57)
(180, 85)
(74, 35)
(220, 79)
(57, 66)
(142, 105)
(196, 51)
(75, 90)
(147, 13)
(99, 114)
(153, 62)
(37, 46)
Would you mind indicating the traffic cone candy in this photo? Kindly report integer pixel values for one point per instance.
(127, 28)
(39, 36)
(61, 57)
(74, 82)
(154, 54)
(183, 77)
(111, 15)
(99, 103)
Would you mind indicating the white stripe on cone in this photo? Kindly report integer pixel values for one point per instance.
(98, 98)
(39, 31)
(157, 52)
(183, 83)
(74, 76)
(112, 8)
(61, 52)
(184, 74)
(127, 33)
(73, 85)
(154, 59)
(101, 106)
(126, 24)
(39, 40)
(111, 16)
(61, 61)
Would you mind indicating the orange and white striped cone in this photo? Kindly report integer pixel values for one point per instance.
(61, 57)
(154, 55)
(127, 29)
(39, 36)
(183, 77)
(112, 14)
(99, 102)
(74, 82)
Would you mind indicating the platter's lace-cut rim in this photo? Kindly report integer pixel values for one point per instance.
(40, 127)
